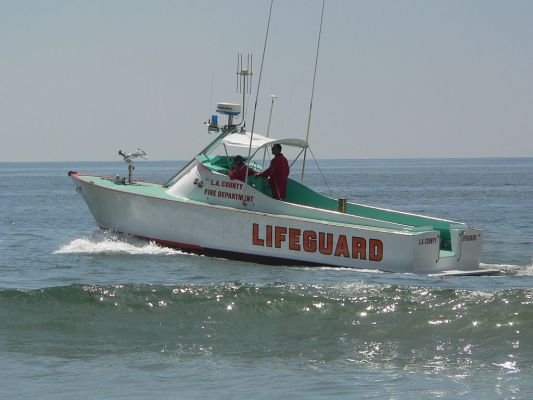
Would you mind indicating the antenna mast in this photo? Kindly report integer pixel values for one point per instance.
(313, 89)
(244, 80)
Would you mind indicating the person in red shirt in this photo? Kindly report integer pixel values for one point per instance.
(239, 170)
(277, 173)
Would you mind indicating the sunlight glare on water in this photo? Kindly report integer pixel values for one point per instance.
(93, 314)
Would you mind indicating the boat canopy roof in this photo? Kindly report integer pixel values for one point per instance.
(242, 140)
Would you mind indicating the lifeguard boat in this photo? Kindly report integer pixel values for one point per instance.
(202, 210)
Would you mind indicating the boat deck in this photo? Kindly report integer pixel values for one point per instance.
(297, 194)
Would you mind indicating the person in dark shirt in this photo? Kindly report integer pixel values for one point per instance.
(277, 173)
(239, 170)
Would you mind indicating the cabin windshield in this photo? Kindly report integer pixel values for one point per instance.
(221, 158)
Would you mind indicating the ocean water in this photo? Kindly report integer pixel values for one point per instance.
(94, 315)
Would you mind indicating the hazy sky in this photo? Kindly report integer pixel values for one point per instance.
(396, 79)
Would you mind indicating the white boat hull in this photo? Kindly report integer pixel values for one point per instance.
(274, 238)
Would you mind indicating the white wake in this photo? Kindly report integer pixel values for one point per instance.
(106, 244)
(512, 269)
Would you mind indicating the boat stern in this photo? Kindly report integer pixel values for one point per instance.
(460, 253)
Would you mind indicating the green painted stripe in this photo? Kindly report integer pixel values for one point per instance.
(140, 188)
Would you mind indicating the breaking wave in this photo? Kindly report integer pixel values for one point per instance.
(370, 324)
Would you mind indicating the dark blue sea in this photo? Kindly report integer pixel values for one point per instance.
(86, 314)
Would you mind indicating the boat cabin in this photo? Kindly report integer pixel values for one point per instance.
(208, 174)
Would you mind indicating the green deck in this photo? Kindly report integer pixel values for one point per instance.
(141, 188)
(301, 194)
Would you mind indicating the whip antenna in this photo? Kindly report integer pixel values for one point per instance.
(259, 79)
(257, 93)
(313, 89)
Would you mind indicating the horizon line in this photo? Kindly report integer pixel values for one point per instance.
(319, 159)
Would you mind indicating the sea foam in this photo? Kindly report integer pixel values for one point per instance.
(105, 244)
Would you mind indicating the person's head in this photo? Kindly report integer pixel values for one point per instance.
(276, 149)
(238, 160)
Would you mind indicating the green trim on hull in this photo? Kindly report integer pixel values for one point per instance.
(137, 187)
